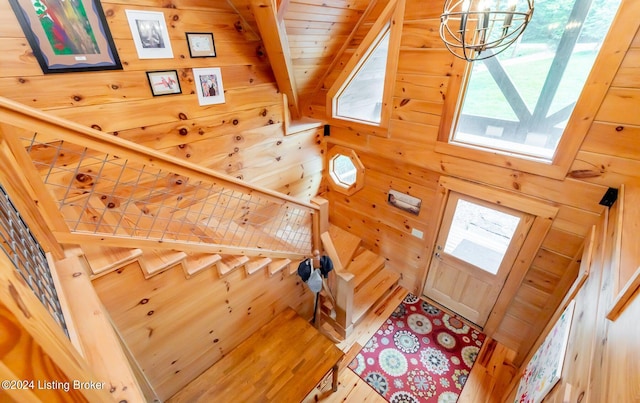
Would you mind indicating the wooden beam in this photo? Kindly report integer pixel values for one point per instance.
(27, 193)
(98, 339)
(274, 38)
(37, 349)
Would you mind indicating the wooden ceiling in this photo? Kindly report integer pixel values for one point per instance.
(313, 36)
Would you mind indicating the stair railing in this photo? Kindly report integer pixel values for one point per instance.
(343, 290)
(94, 187)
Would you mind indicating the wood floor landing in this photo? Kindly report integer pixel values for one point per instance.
(487, 382)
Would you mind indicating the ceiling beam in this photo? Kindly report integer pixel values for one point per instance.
(274, 38)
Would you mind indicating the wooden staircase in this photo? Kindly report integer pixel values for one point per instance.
(362, 280)
(100, 260)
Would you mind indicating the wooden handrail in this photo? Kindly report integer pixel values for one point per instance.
(35, 120)
(30, 198)
(31, 120)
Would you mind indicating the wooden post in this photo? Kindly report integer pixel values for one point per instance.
(320, 222)
(27, 193)
(98, 339)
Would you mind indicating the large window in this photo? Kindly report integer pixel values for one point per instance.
(520, 101)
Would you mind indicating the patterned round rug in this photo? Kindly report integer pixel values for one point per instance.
(420, 354)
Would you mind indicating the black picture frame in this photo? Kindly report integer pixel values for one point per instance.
(164, 82)
(201, 44)
(89, 47)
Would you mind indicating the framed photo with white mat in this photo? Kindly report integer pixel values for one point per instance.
(208, 82)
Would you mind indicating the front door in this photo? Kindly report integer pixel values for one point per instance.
(475, 249)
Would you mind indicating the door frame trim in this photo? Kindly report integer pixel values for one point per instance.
(544, 213)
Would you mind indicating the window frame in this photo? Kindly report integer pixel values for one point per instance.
(386, 30)
(335, 184)
(393, 17)
(604, 69)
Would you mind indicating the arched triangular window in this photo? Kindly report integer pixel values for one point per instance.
(362, 96)
(362, 90)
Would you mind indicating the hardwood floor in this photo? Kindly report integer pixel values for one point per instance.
(488, 381)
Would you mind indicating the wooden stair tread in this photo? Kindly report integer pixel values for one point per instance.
(256, 265)
(293, 267)
(278, 265)
(229, 263)
(364, 266)
(105, 259)
(155, 261)
(197, 262)
(372, 291)
(346, 244)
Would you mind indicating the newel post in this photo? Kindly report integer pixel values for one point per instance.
(320, 221)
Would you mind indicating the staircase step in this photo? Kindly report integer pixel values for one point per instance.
(373, 291)
(278, 265)
(198, 262)
(346, 244)
(155, 261)
(100, 260)
(229, 263)
(256, 265)
(293, 268)
(105, 259)
(364, 266)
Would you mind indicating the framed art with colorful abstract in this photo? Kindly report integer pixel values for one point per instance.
(545, 367)
(67, 36)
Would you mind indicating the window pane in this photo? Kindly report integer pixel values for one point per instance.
(362, 97)
(344, 170)
(480, 235)
(520, 101)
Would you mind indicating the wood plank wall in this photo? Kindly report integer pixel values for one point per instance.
(601, 362)
(176, 328)
(403, 158)
(242, 137)
(193, 321)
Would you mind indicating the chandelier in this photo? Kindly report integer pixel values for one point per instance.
(479, 29)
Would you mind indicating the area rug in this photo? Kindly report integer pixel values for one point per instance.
(420, 354)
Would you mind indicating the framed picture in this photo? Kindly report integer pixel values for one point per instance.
(67, 36)
(208, 84)
(545, 367)
(164, 82)
(201, 44)
(150, 34)
(404, 202)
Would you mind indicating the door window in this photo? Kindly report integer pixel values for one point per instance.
(480, 235)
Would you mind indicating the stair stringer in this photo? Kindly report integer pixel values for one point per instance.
(155, 261)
